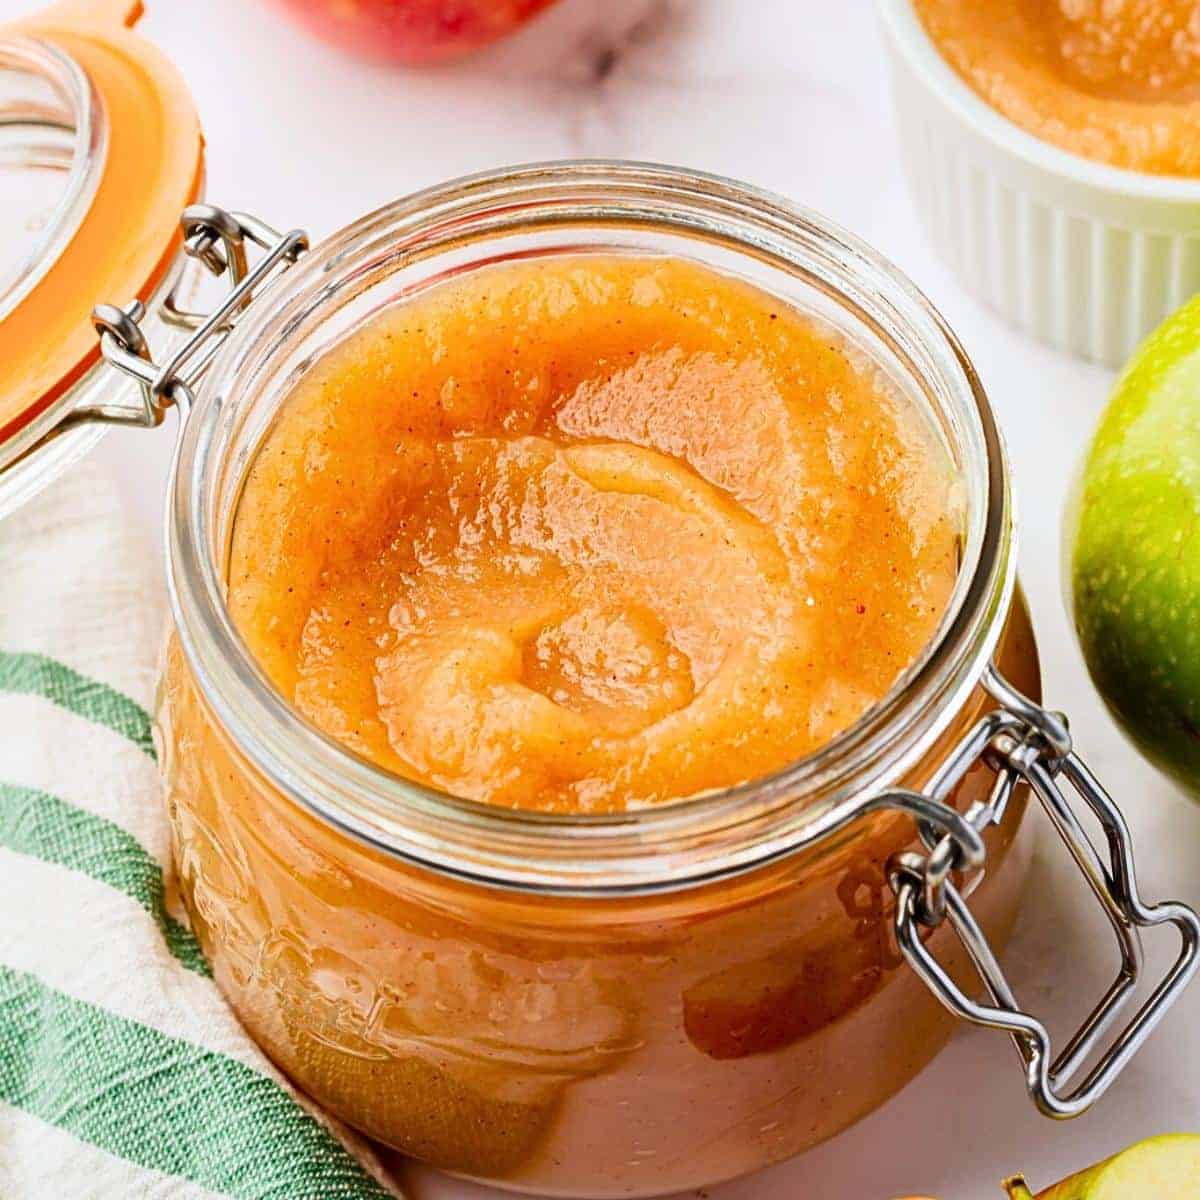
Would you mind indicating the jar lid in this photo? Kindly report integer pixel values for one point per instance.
(100, 151)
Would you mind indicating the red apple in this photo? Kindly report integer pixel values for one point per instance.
(412, 31)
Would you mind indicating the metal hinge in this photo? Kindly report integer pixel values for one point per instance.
(217, 239)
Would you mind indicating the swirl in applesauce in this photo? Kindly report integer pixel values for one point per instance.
(588, 532)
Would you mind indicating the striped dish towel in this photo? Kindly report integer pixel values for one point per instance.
(122, 1071)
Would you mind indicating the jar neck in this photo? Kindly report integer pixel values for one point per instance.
(557, 208)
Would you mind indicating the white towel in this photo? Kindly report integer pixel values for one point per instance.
(122, 1071)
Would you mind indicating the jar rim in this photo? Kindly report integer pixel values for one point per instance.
(652, 848)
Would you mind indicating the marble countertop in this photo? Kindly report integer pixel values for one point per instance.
(790, 95)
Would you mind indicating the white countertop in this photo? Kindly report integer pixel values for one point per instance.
(790, 95)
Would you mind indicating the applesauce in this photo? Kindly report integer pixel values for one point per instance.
(1118, 83)
(609, 531)
(560, 1045)
(673, 963)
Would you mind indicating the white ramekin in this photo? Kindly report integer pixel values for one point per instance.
(1086, 257)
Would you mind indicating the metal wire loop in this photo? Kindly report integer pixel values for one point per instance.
(1024, 743)
(218, 239)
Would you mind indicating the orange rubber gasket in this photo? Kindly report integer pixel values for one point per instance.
(130, 235)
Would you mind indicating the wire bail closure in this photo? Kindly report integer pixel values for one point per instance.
(1024, 743)
(217, 239)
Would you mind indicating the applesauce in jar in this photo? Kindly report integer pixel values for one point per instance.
(584, 540)
(591, 532)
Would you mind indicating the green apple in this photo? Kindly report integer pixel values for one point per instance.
(1160, 1168)
(1134, 544)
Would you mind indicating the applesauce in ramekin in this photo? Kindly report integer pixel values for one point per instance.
(1115, 83)
(553, 566)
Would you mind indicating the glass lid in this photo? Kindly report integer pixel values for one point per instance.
(100, 152)
(53, 142)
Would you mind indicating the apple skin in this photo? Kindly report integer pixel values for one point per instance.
(412, 31)
(1166, 1167)
(1134, 546)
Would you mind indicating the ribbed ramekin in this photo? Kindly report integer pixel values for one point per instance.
(1086, 257)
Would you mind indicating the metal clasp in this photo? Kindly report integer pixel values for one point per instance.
(218, 240)
(1023, 742)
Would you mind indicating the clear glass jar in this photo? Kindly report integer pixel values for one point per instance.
(580, 1005)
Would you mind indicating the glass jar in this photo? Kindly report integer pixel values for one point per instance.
(627, 1004)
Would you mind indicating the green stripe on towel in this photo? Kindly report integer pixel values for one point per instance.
(43, 826)
(165, 1104)
(39, 675)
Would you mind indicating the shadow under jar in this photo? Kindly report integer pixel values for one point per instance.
(619, 1004)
